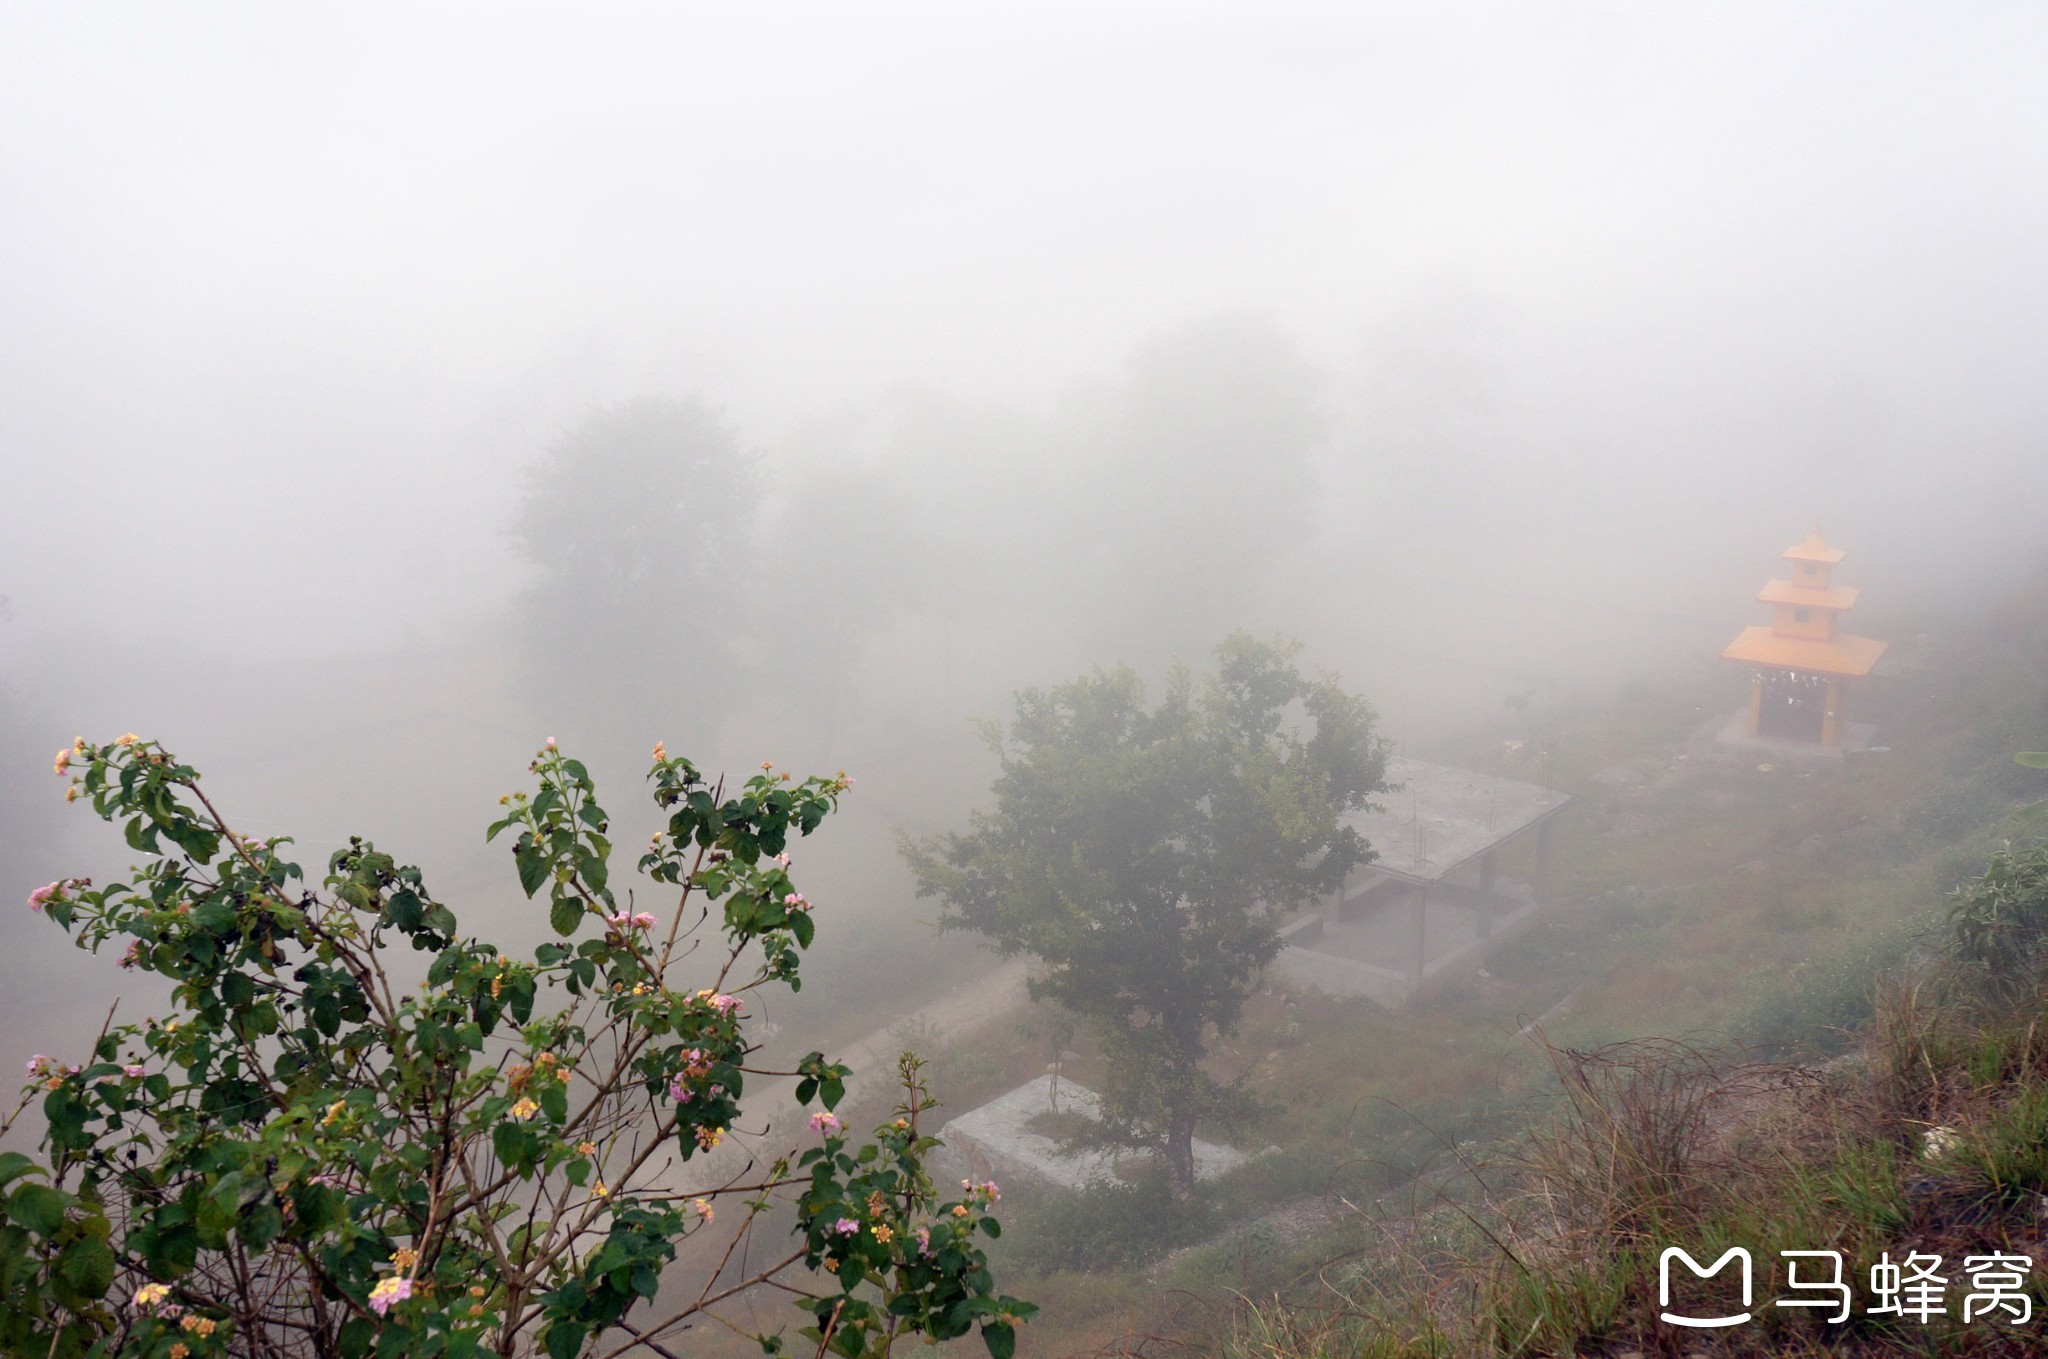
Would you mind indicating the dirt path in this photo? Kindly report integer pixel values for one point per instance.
(772, 1107)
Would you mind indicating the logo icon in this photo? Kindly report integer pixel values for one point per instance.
(1664, 1285)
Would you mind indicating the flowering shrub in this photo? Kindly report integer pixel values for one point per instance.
(306, 1157)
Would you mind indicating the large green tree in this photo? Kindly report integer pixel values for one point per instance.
(1146, 853)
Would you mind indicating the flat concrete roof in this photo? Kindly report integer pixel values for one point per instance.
(1438, 817)
(1001, 1132)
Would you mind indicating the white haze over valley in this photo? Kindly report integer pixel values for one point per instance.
(1486, 349)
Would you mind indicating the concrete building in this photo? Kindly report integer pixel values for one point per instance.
(1436, 900)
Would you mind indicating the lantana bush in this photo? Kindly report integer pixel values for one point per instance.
(306, 1155)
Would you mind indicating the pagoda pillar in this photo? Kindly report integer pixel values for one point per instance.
(1756, 705)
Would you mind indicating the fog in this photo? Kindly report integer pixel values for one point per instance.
(1481, 348)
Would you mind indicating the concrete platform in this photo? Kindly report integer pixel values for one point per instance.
(997, 1142)
(1856, 737)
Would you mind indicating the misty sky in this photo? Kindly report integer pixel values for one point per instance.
(288, 294)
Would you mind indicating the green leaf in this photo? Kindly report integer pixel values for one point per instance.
(1001, 1339)
(533, 869)
(565, 1339)
(566, 914)
(13, 1165)
(88, 1266)
(2032, 759)
(38, 1208)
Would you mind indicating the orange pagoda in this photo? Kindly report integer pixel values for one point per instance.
(1802, 663)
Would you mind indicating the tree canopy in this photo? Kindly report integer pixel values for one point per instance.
(638, 522)
(1146, 853)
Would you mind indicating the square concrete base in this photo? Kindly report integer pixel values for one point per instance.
(1856, 737)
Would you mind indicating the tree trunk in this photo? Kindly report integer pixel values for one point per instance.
(1180, 1152)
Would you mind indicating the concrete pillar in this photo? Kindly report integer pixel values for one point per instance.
(1421, 913)
(1544, 841)
(1831, 721)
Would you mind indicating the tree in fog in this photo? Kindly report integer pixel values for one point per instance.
(638, 522)
(1203, 484)
(1145, 854)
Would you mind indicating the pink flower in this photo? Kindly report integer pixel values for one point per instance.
(38, 1064)
(680, 1093)
(725, 1005)
(825, 1123)
(782, 859)
(54, 892)
(390, 1290)
(795, 901)
(924, 1241)
(643, 921)
(133, 1073)
(551, 743)
(133, 955)
(846, 1226)
(63, 759)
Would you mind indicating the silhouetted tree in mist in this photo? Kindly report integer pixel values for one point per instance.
(639, 523)
(1202, 482)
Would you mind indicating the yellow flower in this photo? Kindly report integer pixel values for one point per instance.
(71, 793)
(149, 1295)
(959, 1210)
(601, 1190)
(586, 1148)
(882, 1233)
(178, 1351)
(63, 760)
(525, 1109)
(404, 1258)
(702, 1208)
(199, 1325)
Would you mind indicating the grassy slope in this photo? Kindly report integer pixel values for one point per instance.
(1696, 896)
